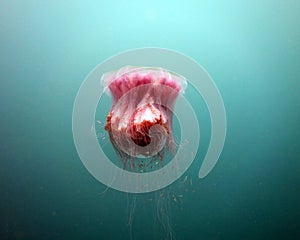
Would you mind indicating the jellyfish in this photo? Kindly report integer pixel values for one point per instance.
(139, 122)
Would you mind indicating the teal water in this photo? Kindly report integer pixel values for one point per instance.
(252, 51)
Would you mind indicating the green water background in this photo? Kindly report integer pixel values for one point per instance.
(252, 51)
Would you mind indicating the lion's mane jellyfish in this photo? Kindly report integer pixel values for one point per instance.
(140, 120)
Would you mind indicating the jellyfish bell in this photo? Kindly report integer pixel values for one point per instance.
(140, 120)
